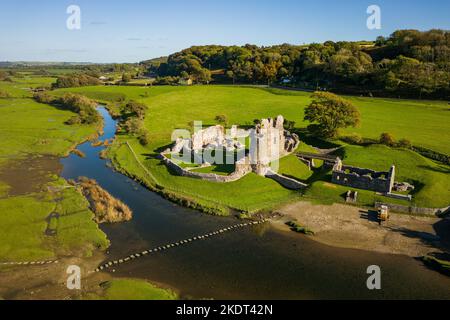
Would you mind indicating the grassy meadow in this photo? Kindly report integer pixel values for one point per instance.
(29, 130)
(424, 123)
(130, 289)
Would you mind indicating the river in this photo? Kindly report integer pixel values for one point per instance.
(258, 263)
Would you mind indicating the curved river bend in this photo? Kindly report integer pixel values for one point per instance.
(258, 263)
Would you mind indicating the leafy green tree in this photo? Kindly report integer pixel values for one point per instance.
(329, 112)
(387, 139)
(126, 77)
(135, 109)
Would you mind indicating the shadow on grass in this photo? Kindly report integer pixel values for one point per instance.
(439, 169)
(418, 186)
(308, 138)
(320, 174)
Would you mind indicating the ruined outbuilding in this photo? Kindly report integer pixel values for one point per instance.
(366, 179)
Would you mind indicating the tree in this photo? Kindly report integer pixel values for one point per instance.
(126, 77)
(76, 80)
(387, 139)
(329, 112)
(135, 109)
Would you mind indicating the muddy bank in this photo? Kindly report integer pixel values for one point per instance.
(30, 174)
(351, 227)
(49, 282)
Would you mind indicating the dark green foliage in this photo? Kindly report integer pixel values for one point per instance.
(408, 63)
(432, 154)
(329, 112)
(437, 264)
(43, 97)
(126, 77)
(353, 139)
(144, 138)
(289, 125)
(404, 143)
(300, 229)
(76, 80)
(83, 106)
(134, 109)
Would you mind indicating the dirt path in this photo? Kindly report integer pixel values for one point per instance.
(352, 227)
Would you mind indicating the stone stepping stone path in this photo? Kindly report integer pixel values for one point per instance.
(29, 263)
(173, 245)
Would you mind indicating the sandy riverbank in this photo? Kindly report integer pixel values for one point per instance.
(351, 227)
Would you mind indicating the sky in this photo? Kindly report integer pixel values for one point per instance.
(136, 30)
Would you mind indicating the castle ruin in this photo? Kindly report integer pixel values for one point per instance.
(269, 141)
(366, 179)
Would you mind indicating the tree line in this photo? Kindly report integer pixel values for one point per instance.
(408, 63)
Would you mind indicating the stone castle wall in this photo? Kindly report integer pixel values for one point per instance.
(365, 179)
(286, 182)
(242, 169)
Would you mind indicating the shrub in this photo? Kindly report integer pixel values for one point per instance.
(405, 143)
(221, 118)
(387, 139)
(76, 80)
(353, 139)
(133, 125)
(74, 120)
(144, 138)
(136, 109)
(126, 77)
(43, 97)
(432, 154)
(82, 105)
(289, 125)
(299, 228)
(4, 94)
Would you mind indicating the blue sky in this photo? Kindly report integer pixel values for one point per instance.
(135, 30)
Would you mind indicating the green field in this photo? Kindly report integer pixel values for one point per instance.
(130, 289)
(28, 127)
(422, 122)
(31, 132)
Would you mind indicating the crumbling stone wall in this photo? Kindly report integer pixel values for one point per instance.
(211, 135)
(363, 178)
(242, 168)
(412, 210)
(286, 182)
(269, 141)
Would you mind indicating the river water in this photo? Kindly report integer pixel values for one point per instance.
(253, 263)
